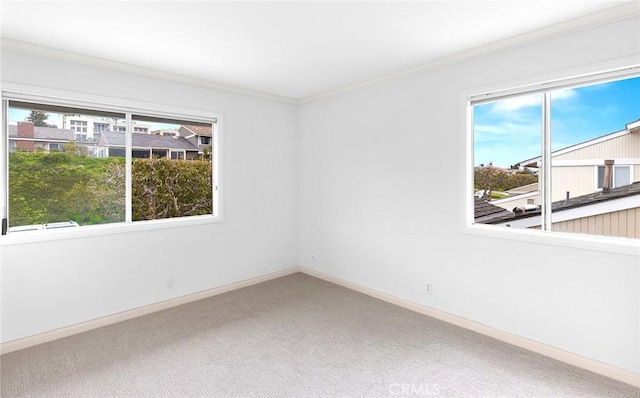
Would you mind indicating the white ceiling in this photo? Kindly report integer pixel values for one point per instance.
(294, 49)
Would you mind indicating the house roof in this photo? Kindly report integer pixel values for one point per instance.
(483, 210)
(523, 189)
(188, 129)
(117, 139)
(572, 203)
(45, 133)
(632, 127)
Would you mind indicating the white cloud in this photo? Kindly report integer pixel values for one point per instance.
(516, 103)
(563, 94)
(525, 101)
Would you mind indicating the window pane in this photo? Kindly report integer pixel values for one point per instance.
(591, 147)
(622, 176)
(171, 176)
(507, 138)
(59, 176)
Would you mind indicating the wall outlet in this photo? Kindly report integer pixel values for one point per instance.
(314, 257)
(429, 288)
(168, 283)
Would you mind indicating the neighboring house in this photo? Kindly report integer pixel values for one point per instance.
(112, 143)
(201, 136)
(30, 138)
(88, 129)
(614, 212)
(579, 169)
(593, 189)
(167, 132)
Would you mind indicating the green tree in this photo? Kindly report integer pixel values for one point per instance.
(163, 188)
(489, 178)
(39, 118)
(519, 179)
(62, 186)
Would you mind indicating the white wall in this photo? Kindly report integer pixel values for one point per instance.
(379, 206)
(53, 284)
(378, 202)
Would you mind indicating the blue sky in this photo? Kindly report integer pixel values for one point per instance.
(509, 131)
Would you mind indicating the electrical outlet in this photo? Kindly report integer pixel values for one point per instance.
(168, 283)
(429, 289)
(314, 257)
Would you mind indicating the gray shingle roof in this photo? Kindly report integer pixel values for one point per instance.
(45, 133)
(188, 129)
(579, 201)
(117, 139)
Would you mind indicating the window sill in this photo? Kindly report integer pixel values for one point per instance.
(27, 237)
(626, 246)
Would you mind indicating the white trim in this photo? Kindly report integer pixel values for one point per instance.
(38, 139)
(624, 11)
(22, 47)
(466, 225)
(89, 231)
(613, 14)
(609, 206)
(576, 147)
(128, 107)
(629, 166)
(594, 162)
(67, 331)
(592, 365)
(556, 238)
(634, 126)
(513, 198)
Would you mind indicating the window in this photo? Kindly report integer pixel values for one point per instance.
(205, 140)
(621, 176)
(100, 127)
(55, 146)
(538, 151)
(121, 178)
(79, 126)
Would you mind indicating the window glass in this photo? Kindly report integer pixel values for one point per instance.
(593, 135)
(68, 167)
(59, 184)
(171, 178)
(507, 135)
(621, 176)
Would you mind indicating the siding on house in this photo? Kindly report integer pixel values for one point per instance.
(624, 224)
(582, 178)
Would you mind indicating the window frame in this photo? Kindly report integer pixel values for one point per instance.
(613, 174)
(130, 107)
(614, 69)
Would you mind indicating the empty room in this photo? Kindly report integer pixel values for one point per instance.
(320, 199)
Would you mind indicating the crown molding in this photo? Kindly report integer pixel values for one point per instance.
(618, 13)
(17, 46)
(621, 12)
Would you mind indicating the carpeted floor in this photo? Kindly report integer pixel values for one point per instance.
(295, 336)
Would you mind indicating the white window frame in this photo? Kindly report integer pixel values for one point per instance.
(615, 69)
(613, 174)
(80, 100)
(57, 144)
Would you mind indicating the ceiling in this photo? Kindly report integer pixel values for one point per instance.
(293, 49)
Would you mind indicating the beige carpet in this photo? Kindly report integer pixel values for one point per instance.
(296, 336)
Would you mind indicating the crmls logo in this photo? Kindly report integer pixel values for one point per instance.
(413, 389)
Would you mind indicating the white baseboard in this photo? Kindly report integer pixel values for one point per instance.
(592, 365)
(48, 336)
(589, 364)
